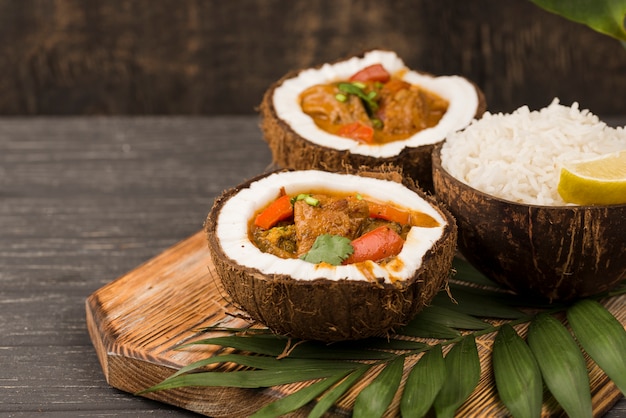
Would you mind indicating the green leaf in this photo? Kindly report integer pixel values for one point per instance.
(391, 344)
(562, 365)
(603, 338)
(349, 350)
(462, 376)
(517, 375)
(468, 273)
(270, 345)
(423, 384)
(476, 303)
(426, 329)
(264, 362)
(329, 399)
(451, 318)
(274, 345)
(297, 399)
(243, 379)
(357, 89)
(331, 249)
(374, 400)
(604, 16)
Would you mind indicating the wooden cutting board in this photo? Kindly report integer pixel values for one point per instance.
(137, 322)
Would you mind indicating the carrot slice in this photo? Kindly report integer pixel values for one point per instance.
(280, 209)
(358, 131)
(393, 214)
(375, 245)
(388, 213)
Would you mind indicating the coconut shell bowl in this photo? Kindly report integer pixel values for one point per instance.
(556, 253)
(321, 301)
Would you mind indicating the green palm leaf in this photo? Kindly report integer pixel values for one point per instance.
(267, 344)
(297, 399)
(562, 365)
(374, 400)
(602, 337)
(423, 383)
(477, 303)
(333, 395)
(262, 362)
(451, 318)
(462, 375)
(466, 272)
(388, 344)
(274, 345)
(517, 375)
(354, 349)
(427, 329)
(243, 379)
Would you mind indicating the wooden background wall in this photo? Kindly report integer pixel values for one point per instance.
(60, 57)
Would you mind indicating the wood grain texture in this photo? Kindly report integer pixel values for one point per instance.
(139, 322)
(193, 57)
(82, 202)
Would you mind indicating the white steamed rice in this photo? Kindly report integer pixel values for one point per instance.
(518, 156)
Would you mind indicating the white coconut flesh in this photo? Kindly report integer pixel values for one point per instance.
(234, 217)
(460, 93)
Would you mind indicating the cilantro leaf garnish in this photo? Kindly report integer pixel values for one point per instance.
(331, 249)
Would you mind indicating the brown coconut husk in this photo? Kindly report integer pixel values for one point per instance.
(328, 310)
(553, 253)
(290, 150)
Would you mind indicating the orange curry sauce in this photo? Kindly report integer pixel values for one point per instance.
(373, 107)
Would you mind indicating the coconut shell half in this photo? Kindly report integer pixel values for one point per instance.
(555, 253)
(296, 143)
(325, 303)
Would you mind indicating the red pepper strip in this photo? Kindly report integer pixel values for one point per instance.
(375, 72)
(388, 213)
(375, 245)
(278, 210)
(358, 131)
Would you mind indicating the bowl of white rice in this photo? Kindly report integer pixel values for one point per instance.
(499, 178)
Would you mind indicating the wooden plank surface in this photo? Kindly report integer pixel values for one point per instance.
(210, 57)
(138, 323)
(84, 201)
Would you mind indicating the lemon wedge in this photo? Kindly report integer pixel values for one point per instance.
(600, 181)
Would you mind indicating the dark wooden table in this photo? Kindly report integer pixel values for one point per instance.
(83, 201)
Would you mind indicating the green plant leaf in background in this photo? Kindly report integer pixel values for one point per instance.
(562, 365)
(462, 376)
(517, 375)
(603, 338)
(603, 16)
(423, 383)
(376, 397)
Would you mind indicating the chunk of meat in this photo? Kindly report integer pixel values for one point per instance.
(320, 102)
(402, 108)
(333, 215)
